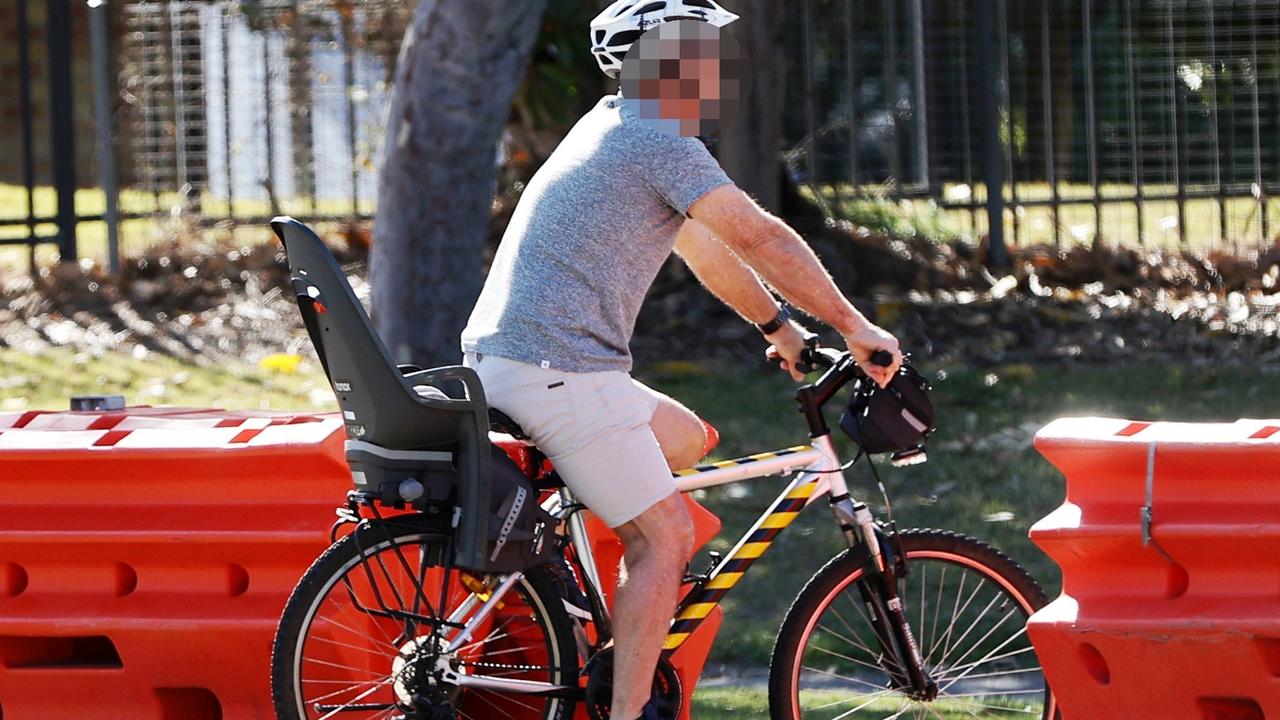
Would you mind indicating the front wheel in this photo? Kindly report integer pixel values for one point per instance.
(967, 605)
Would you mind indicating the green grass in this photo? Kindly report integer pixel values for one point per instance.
(136, 235)
(723, 703)
(47, 380)
(983, 478)
(1119, 221)
(730, 704)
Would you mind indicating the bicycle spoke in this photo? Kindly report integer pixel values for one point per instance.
(999, 693)
(853, 699)
(886, 643)
(349, 646)
(999, 673)
(937, 610)
(874, 699)
(349, 687)
(1005, 709)
(850, 640)
(952, 641)
(997, 649)
(508, 651)
(354, 700)
(879, 656)
(924, 582)
(331, 621)
(838, 676)
(509, 698)
(873, 666)
(955, 615)
(979, 641)
(979, 661)
(341, 667)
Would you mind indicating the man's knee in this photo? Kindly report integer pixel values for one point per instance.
(664, 530)
(680, 433)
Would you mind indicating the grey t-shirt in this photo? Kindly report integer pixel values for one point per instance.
(586, 241)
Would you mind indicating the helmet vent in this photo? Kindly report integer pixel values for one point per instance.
(651, 7)
(624, 10)
(625, 37)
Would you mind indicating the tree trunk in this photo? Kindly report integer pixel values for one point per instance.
(459, 67)
(751, 140)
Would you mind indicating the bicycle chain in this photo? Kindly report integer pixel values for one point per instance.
(502, 666)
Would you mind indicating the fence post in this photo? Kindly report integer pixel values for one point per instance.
(61, 123)
(28, 145)
(100, 40)
(986, 40)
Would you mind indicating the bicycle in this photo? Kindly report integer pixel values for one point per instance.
(387, 624)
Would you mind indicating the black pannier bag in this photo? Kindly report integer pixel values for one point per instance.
(521, 533)
(894, 419)
(416, 438)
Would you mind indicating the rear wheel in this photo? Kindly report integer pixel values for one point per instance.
(356, 640)
(967, 605)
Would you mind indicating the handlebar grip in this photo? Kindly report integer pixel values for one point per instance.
(883, 358)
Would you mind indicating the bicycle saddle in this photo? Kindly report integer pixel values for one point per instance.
(501, 422)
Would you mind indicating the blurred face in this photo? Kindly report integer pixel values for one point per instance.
(682, 76)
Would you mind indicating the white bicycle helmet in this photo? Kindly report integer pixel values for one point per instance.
(622, 23)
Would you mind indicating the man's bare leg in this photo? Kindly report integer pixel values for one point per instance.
(656, 547)
(656, 551)
(679, 432)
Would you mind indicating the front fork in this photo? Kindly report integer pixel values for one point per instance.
(879, 589)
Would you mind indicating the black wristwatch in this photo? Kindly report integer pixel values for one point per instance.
(783, 317)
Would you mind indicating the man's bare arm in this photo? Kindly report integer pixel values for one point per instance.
(724, 274)
(775, 251)
(738, 286)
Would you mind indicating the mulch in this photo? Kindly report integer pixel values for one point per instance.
(209, 304)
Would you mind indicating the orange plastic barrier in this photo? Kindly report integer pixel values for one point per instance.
(146, 555)
(1168, 543)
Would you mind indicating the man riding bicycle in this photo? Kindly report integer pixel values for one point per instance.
(549, 335)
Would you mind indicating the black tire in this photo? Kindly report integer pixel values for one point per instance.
(1008, 666)
(532, 617)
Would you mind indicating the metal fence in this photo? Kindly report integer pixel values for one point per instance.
(250, 108)
(1150, 123)
(1137, 122)
(218, 112)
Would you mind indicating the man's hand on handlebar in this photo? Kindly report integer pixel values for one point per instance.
(788, 344)
(866, 342)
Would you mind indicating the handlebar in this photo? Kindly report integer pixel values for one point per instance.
(814, 356)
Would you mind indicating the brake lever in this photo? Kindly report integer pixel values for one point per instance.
(807, 363)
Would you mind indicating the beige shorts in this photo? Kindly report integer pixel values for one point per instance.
(593, 426)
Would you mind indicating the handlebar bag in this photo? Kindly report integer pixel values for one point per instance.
(890, 419)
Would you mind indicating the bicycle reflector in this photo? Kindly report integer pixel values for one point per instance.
(894, 419)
